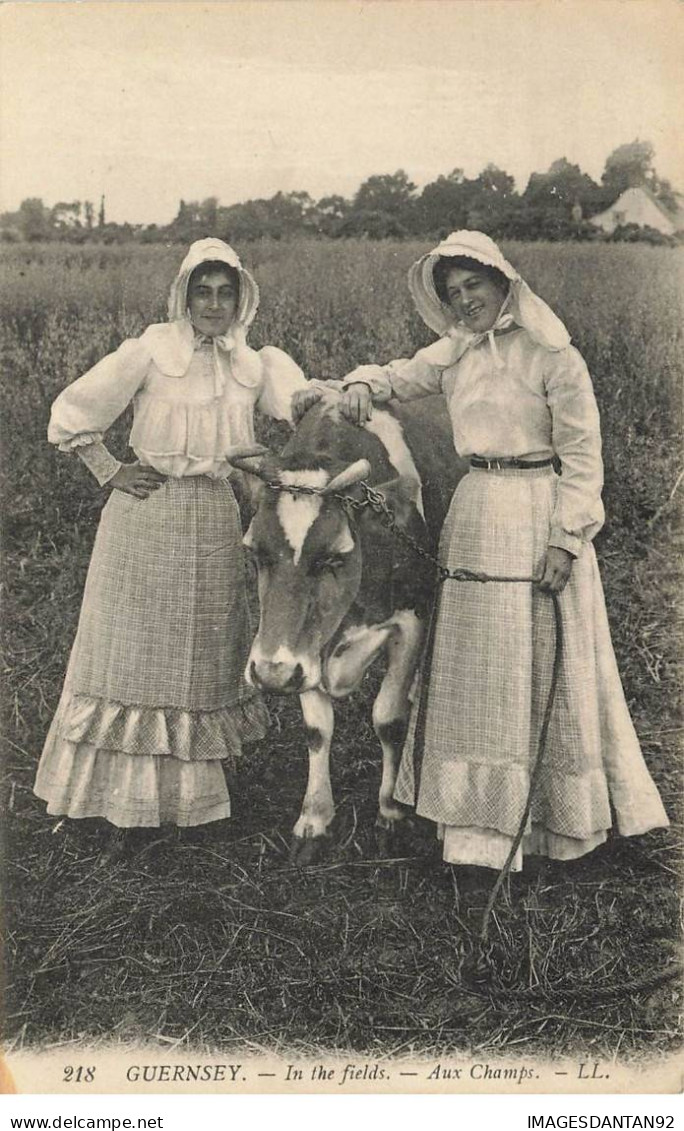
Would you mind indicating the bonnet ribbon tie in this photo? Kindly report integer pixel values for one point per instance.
(503, 323)
(225, 342)
(245, 363)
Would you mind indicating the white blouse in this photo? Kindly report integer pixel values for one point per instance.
(509, 396)
(191, 401)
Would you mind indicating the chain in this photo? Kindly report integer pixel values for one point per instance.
(348, 502)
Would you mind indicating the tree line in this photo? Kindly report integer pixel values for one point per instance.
(555, 205)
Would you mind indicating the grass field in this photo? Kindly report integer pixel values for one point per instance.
(221, 944)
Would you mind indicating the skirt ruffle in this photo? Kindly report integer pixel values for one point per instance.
(191, 736)
(489, 849)
(489, 684)
(130, 792)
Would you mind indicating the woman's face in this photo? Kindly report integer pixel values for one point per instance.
(212, 302)
(474, 297)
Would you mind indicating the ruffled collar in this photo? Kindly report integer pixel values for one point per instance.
(225, 342)
(172, 345)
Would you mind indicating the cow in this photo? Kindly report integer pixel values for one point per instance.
(337, 588)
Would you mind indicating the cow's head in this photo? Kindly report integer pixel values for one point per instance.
(308, 559)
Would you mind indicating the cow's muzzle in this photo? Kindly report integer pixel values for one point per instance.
(279, 677)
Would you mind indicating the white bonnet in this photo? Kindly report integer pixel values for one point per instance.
(527, 308)
(213, 250)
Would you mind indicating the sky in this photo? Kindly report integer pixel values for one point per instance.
(149, 103)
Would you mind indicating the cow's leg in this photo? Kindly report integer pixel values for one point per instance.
(318, 808)
(390, 715)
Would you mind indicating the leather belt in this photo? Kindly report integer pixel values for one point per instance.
(503, 463)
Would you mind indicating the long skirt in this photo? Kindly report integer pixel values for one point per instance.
(154, 697)
(489, 685)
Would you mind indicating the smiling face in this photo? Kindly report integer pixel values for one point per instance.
(213, 294)
(475, 297)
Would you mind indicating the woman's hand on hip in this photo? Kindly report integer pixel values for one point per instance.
(357, 403)
(133, 479)
(557, 570)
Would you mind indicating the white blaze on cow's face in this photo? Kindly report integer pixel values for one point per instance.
(309, 572)
(297, 513)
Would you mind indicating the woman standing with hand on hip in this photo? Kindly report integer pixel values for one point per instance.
(519, 396)
(154, 697)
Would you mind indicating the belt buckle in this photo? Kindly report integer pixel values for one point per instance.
(494, 465)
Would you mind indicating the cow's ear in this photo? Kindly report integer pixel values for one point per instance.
(401, 495)
(344, 542)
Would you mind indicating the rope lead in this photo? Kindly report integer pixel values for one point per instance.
(541, 749)
(468, 575)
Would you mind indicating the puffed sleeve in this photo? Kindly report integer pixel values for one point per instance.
(408, 378)
(85, 410)
(576, 440)
(281, 378)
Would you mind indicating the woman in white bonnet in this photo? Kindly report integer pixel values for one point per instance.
(519, 396)
(154, 698)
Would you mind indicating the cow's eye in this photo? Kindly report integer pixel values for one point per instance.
(329, 564)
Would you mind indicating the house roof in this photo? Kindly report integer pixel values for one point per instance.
(634, 197)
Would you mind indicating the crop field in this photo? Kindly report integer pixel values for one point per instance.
(219, 943)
